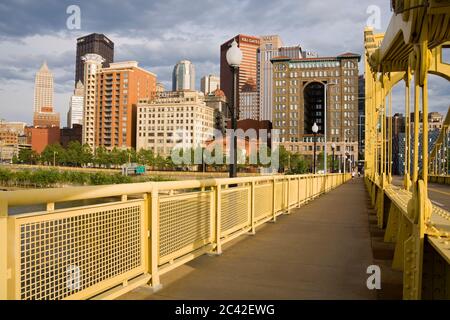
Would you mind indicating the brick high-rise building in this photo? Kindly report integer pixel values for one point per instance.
(119, 89)
(93, 43)
(249, 46)
(39, 138)
(298, 102)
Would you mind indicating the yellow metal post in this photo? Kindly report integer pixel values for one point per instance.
(274, 217)
(390, 137)
(407, 182)
(415, 176)
(154, 234)
(252, 208)
(218, 219)
(3, 250)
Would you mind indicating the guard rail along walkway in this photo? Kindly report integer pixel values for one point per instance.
(413, 45)
(140, 232)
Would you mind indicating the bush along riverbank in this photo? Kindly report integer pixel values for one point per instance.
(51, 178)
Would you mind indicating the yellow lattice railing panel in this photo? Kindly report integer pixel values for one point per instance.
(263, 200)
(77, 253)
(185, 224)
(293, 192)
(279, 196)
(235, 210)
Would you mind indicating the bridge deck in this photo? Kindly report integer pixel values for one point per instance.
(320, 251)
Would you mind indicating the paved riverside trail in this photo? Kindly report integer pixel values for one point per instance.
(319, 251)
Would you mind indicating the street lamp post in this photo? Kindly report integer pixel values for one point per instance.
(326, 85)
(345, 160)
(234, 60)
(315, 129)
(333, 147)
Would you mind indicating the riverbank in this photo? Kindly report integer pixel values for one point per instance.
(54, 178)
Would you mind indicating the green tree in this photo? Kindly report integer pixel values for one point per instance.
(146, 157)
(53, 154)
(102, 157)
(5, 176)
(15, 159)
(28, 156)
(298, 164)
(74, 153)
(133, 155)
(284, 158)
(86, 156)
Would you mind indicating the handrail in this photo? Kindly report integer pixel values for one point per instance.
(46, 195)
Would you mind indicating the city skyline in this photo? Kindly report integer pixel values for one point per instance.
(177, 33)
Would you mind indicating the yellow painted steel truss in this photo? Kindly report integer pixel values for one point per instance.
(410, 49)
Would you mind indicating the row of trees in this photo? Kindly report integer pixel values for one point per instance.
(77, 155)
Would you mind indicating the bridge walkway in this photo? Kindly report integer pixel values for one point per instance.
(319, 251)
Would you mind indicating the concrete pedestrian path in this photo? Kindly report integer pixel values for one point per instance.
(319, 251)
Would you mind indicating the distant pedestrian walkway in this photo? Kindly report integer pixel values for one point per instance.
(320, 251)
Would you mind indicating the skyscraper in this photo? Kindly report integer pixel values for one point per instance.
(43, 88)
(209, 84)
(93, 43)
(183, 77)
(43, 115)
(249, 46)
(75, 114)
(268, 49)
(92, 64)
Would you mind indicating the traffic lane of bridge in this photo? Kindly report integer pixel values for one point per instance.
(439, 194)
(320, 251)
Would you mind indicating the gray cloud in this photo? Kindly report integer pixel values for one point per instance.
(159, 33)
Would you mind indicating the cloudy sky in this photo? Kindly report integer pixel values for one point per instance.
(157, 34)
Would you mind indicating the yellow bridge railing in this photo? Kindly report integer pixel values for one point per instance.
(411, 48)
(439, 164)
(129, 235)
